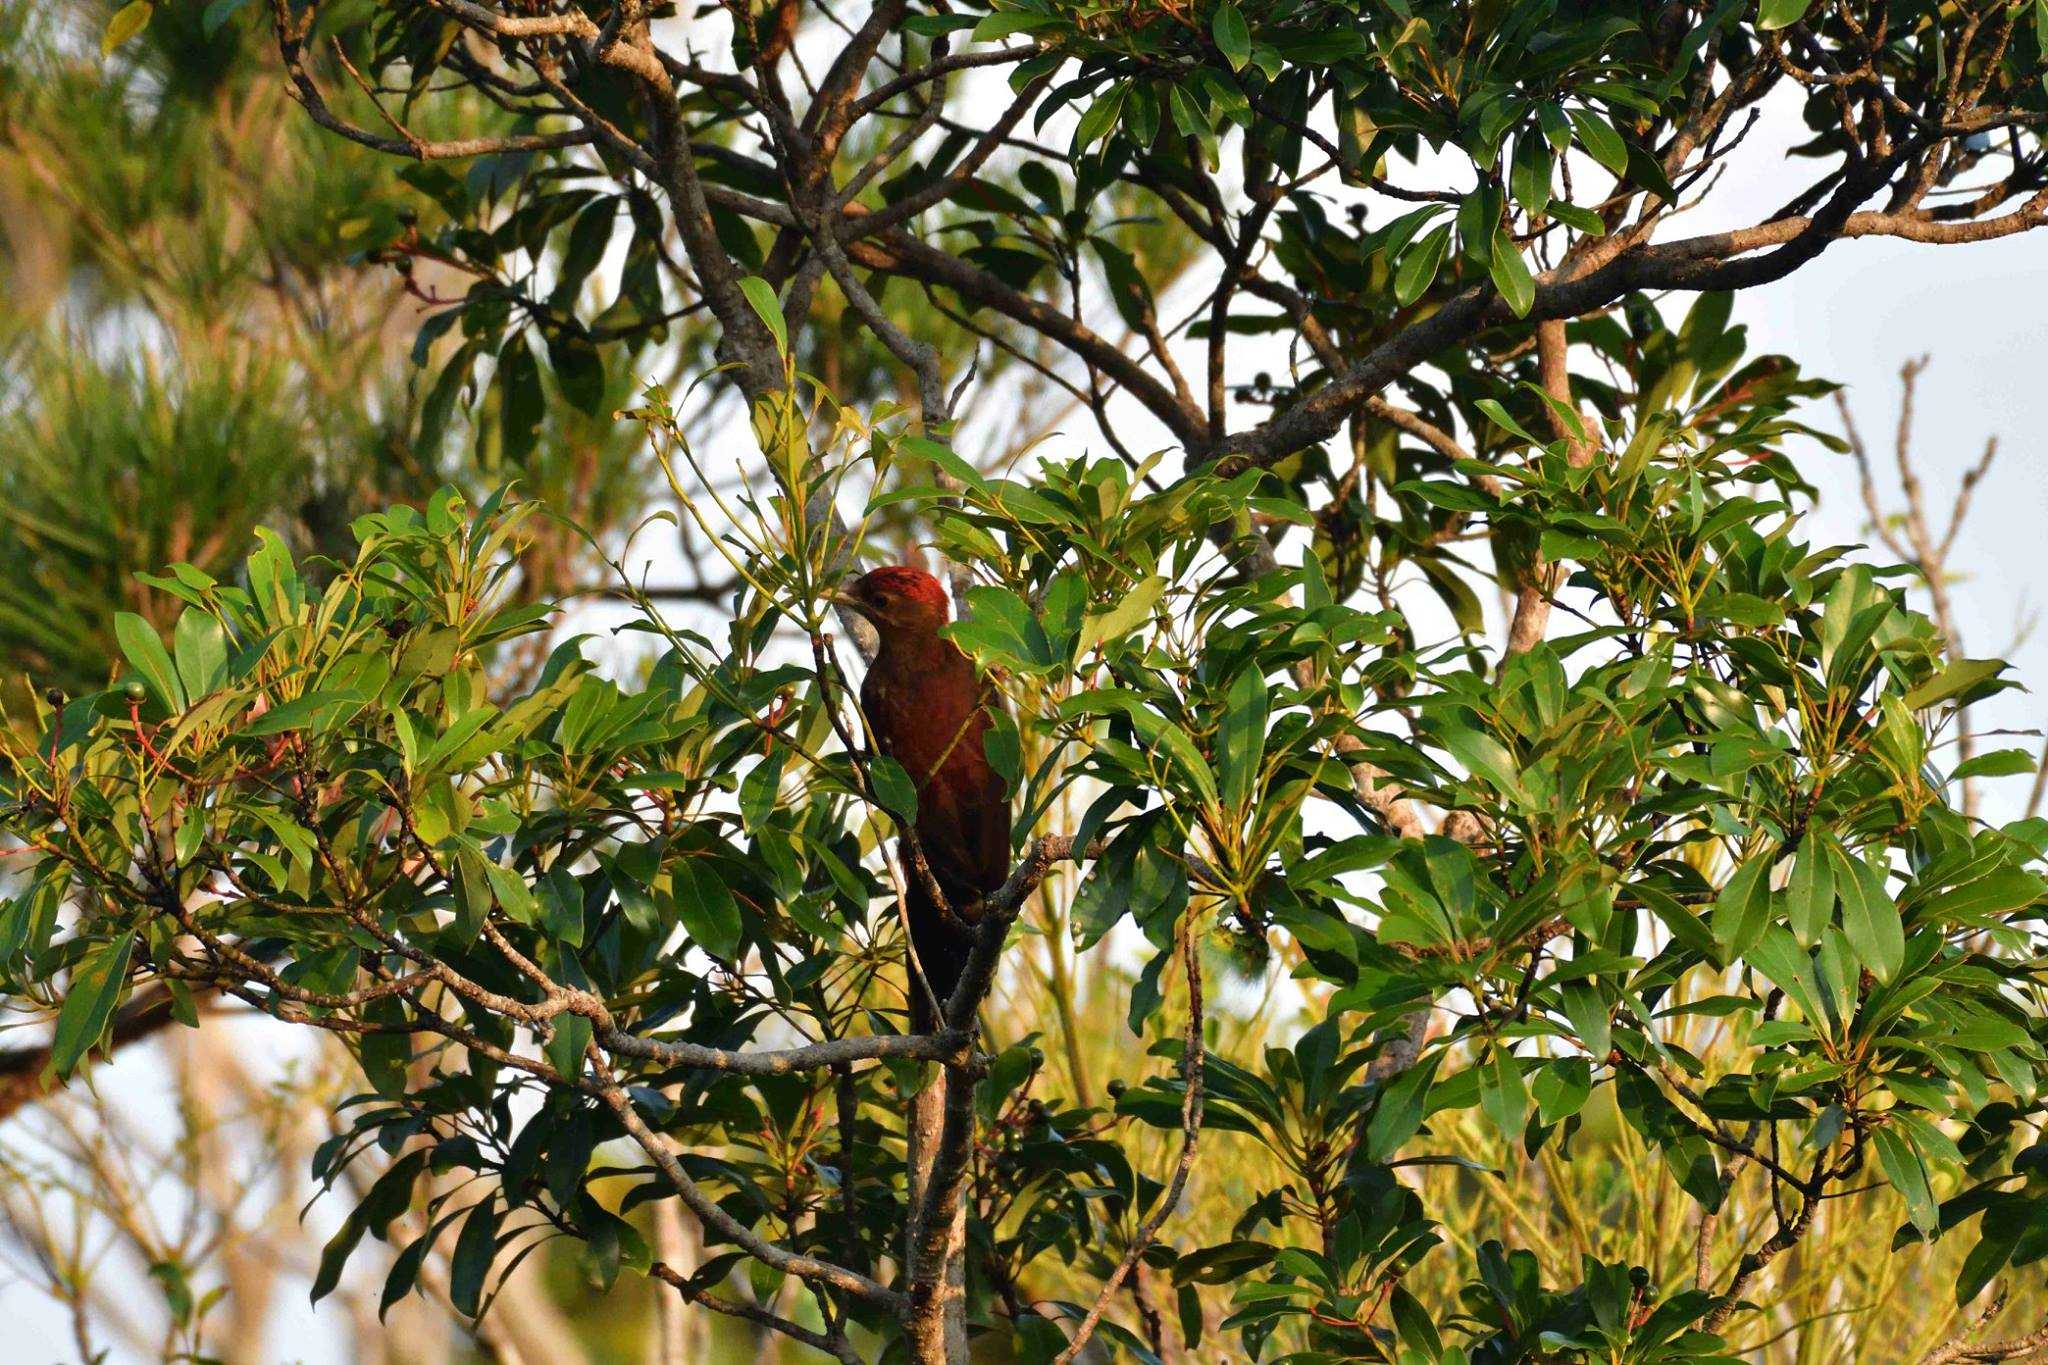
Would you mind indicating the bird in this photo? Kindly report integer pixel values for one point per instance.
(930, 710)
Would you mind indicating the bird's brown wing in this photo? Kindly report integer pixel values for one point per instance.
(932, 726)
(963, 823)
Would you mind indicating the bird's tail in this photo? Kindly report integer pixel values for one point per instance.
(941, 944)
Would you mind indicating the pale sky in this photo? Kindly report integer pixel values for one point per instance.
(1857, 313)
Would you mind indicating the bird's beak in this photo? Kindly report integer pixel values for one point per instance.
(841, 598)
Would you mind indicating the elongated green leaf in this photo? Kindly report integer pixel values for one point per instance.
(385, 1055)
(1998, 763)
(1775, 14)
(475, 1246)
(1511, 275)
(1600, 140)
(1958, 678)
(1685, 926)
(1111, 626)
(1501, 418)
(1402, 1105)
(1529, 178)
(334, 1256)
(1810, 894)
(146, 653)
(1233, 39)
(1485, 757)
(97, 983)
(1003, 23)
(1099, 118)
(1908, 1174)
(1001, 628)
(1503, 1095)
(1984, 898)
(521, 403)
(894, 787)
(705, 906)
(1870, 917)
(566, 1047)
(202, 652)
(1417, 270)
(1743, 907)
(761, 298)
(1241, 737)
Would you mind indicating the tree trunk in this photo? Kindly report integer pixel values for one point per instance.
(680, 1333)
(935, 1338)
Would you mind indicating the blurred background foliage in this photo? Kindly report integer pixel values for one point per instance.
(198, 336)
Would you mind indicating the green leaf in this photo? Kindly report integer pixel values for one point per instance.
(1418, 267)
(128, 21)
(1998, 763)
(1590, 1017)
(1529, 177)
(1810, 894)
(385, 1055)
(335, 1255)
(947, 459)
(1478, 219)
(1511, 274)
(1398, 1115)
(521, 404)
(1193, 119)
(1908, 1174)
(201, 650)
(1686, 927)
(1241, 737)
(1601, 142)
(761, 296)
(579, 369)
(146, 652)
(177, 1289)
(1870, 918)
(1233, 39)
(1743, 907)
(893, 787)
(1000, 627)
(1498, 415)
(405, 1271)
(1984, 898)
(705, 906)
(218, 13)
(560, 898)
(1003, 23)
(472, 892)
(937, 25)
(1585, 220)
(1099, 118)
(1003, 745)
(1113, 625)
(1562, 1087)
(1503, 1095)
(1775, 14)
(1485, 757)
(567, 1045)
(97, 983)
(1959, 677)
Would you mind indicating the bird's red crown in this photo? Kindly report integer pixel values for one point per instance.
(895, 584)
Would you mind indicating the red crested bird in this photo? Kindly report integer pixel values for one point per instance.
(928, 710)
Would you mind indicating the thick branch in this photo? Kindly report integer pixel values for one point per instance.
(946, 1046)
(1712, 261)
